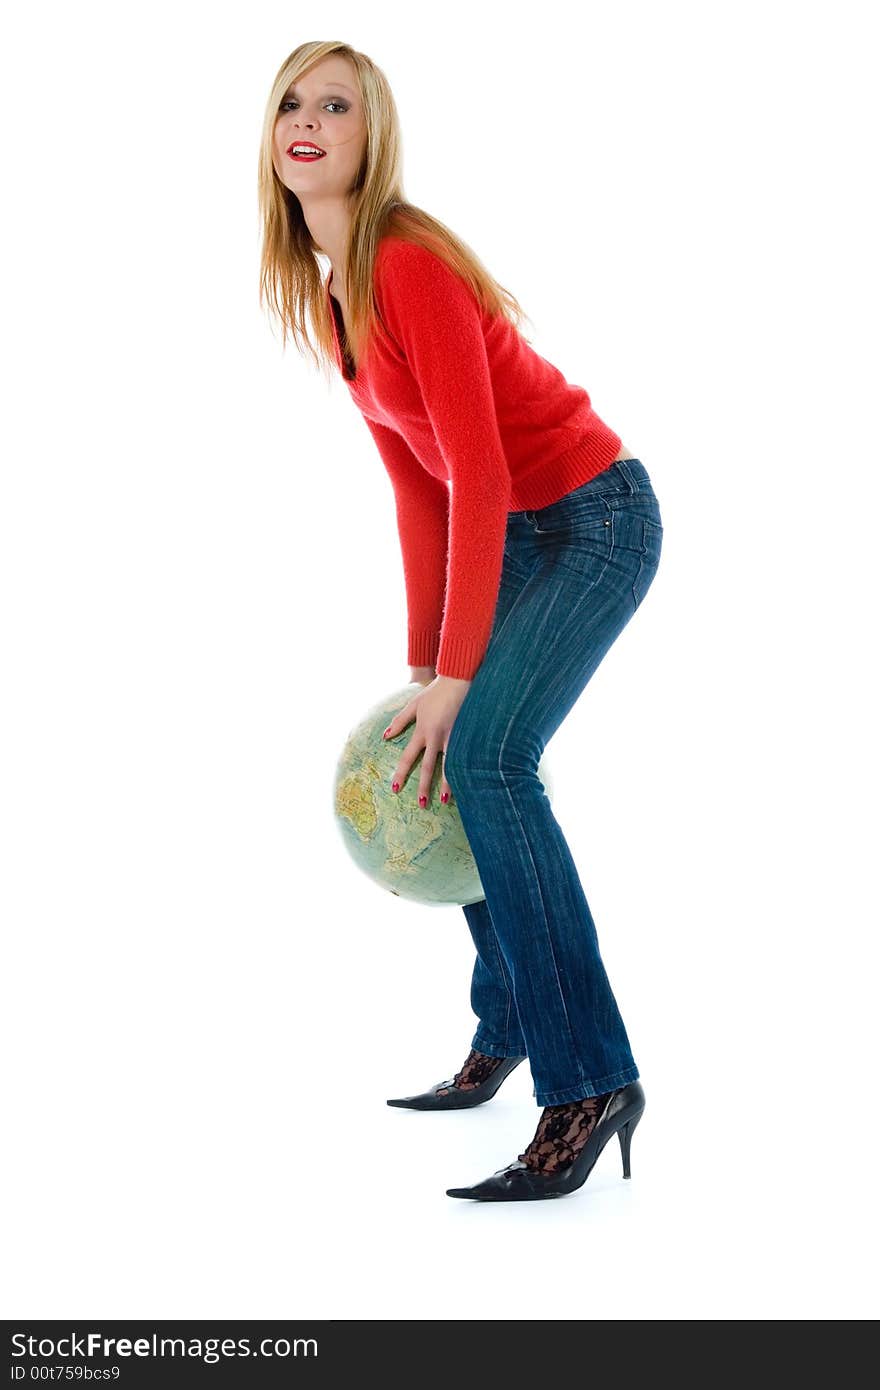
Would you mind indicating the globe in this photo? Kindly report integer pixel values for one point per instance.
(413, 852)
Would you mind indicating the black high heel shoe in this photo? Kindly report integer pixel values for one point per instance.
(456, 1099)
(520, 1183)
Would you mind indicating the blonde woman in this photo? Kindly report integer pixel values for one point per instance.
(529, 537)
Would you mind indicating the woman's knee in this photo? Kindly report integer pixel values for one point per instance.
(465, 753)
(475, 753)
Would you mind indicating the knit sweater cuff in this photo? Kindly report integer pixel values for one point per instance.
(423, 648)
(460, 658)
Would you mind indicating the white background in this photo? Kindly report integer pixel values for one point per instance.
(205, 1003)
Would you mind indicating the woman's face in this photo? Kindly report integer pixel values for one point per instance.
(323, 108)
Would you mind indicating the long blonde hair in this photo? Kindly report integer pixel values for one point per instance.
(290, 275)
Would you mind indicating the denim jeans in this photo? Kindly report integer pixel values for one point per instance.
(574, 573)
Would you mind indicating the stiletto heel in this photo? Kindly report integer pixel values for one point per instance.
(520, 1183)
(625, 1137)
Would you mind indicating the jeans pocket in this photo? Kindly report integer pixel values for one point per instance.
(580, 544)
(649, 557)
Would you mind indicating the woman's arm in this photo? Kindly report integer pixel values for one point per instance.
(422, 675)
(438, 323)
(422, 506)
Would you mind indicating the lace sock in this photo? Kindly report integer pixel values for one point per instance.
(476, 1069)
(562, 1132)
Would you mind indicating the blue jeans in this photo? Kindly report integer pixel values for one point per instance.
(574, 574)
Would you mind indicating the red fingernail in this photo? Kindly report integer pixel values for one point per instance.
(445, 796)
(423, 801)
(395, 786)
(387, 732)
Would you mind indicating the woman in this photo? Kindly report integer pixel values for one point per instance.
(529, 536)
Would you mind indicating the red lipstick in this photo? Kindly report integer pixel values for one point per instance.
(305, 151)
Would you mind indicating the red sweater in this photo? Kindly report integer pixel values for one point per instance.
(471, 423)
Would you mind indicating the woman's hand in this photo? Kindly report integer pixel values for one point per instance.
(434, 709)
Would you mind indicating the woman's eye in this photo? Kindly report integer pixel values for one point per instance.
(291, 102)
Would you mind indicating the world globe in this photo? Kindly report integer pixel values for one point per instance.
(420, 853)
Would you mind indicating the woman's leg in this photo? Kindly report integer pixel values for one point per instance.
(575, 573)
(498, 1033)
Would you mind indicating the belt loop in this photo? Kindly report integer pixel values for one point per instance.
(627, 473)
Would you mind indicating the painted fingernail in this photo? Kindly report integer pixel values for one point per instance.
(444, 797)
(423, 801)
(387, 732)
(395, 786)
